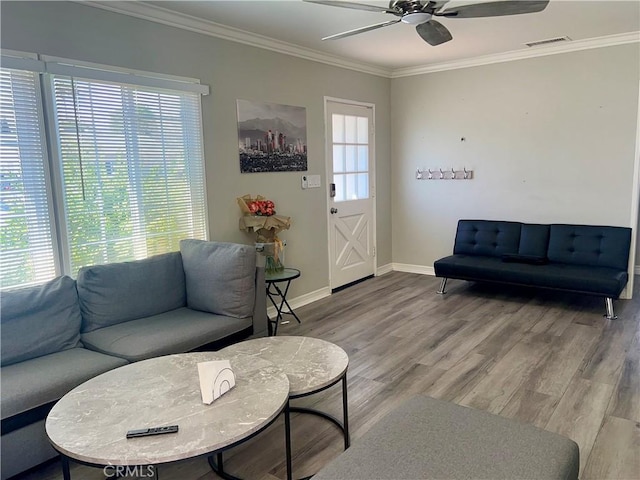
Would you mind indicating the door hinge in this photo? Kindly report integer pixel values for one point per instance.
(374, 251)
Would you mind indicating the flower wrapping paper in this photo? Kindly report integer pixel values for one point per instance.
(265, 227)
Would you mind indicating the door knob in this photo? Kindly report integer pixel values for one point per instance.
(334, 210)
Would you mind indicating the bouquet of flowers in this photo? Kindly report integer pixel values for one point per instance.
(259, 216)
(261, 207)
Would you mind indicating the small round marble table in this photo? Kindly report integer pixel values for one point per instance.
(312, 365)
(89, 424)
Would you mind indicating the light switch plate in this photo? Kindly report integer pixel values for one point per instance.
(313, 181)
(305, 182)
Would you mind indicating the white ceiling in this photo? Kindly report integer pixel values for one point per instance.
(399, 46)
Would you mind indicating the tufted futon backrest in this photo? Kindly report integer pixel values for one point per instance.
(597, 246)
(487, 237)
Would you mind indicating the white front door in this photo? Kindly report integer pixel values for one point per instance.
(350, 167)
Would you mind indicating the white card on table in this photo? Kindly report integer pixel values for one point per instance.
(216, 379)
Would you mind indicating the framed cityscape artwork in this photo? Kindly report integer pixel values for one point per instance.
(271, 137)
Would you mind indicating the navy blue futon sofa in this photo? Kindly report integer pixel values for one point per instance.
(585, 259)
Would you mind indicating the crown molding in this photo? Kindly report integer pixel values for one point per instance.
(213, 29)
(533, 52)
(206, 27)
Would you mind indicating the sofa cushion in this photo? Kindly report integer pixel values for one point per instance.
(485, 237)
(534, 240)
(45, 379)
(119, 292)
(177, 331)
(425, 438)
(39, 320)
(597, 246)
(578, 278)
(220, 277)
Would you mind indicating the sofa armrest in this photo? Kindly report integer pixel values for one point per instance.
(260, 318)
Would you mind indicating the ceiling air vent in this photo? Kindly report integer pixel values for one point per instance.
(548, 41)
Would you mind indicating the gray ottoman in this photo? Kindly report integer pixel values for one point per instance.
(427, 438)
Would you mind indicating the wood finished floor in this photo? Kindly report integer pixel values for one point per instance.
(543, 358)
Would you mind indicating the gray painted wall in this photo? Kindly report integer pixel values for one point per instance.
(550, 139)
(232, 70)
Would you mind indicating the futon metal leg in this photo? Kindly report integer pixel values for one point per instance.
(443, 285)
(608, 302)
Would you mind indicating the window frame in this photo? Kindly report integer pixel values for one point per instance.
(45, 68)
(46, 167)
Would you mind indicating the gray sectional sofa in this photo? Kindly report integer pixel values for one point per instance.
(60, 334)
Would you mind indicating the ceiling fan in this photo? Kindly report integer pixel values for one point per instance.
(421, 12)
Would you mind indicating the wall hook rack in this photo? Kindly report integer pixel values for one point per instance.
(449, 174)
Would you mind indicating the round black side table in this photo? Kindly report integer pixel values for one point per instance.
(279, 295)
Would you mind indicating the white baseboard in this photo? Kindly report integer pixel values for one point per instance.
(302, 300)
(388, 268)
(409, 268)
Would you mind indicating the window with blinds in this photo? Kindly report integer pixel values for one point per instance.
(132, 169)
(124, 163)
(26, 227)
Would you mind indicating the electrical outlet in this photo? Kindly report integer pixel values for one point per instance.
(305, 182)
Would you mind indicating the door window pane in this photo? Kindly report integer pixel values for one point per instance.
(363, 185)
(351, 158)
(350, 129)
(339, 181)
(338, 158)
(363, 158)
(363, 130)
(338, 128)
(351, 187)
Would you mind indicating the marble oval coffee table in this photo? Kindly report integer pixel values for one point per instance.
(89, 424)
(312, 365)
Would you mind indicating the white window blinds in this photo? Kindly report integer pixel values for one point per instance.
(26, 226)
(132, 169)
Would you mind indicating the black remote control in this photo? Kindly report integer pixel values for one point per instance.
(145, 432)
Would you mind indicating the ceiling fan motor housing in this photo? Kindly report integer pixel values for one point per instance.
(416, 18)
(412, 11)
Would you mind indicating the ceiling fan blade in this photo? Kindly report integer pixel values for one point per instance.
(495, 9)
(355, 6)
(360, 30)
(434, 33)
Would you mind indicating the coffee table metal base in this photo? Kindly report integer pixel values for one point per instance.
(344, 425)
(218, 465)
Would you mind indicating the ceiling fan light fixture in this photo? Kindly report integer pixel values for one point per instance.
(416, 18)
